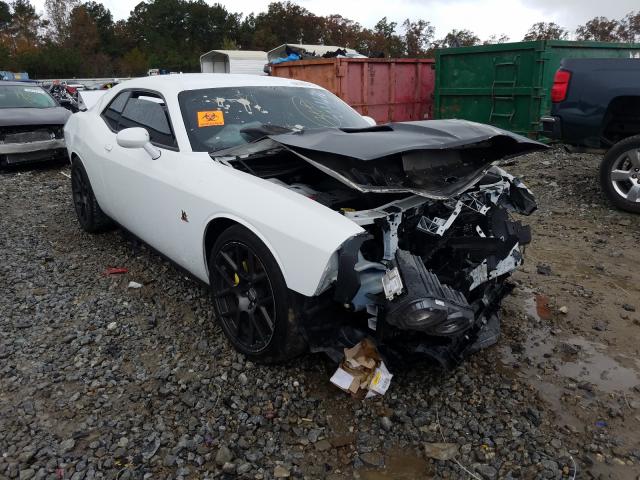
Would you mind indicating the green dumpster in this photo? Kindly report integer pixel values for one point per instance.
(508, 85)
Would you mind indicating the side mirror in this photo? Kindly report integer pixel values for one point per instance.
(370, 120)
(137, 137)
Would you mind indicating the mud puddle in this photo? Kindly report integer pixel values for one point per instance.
(400, 465)
(576, 359)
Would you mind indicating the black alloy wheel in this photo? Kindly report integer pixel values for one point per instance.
(256, 310)
(244, 297)
(90, 216)
(81, 195)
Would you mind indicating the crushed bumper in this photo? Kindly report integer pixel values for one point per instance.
(436, 287)
(28, 147)
(32, 152)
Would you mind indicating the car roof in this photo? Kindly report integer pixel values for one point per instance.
(177, 83)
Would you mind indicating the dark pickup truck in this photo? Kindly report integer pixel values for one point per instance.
(596, 107)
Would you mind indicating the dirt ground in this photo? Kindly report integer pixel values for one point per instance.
(101, 381)
(579, 294)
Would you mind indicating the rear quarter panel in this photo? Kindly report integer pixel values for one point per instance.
(594, 84)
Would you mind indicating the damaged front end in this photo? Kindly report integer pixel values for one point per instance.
(32, 143)
(31, 125)
(428, 274)
(431, 274)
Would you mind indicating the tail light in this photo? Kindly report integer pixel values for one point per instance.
(560, 86)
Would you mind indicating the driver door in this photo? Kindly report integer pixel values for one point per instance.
(144, 192)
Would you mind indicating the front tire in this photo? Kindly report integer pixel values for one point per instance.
(251, 300)
(90, 216)
(620, 174)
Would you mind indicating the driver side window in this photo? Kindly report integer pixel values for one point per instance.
(141, 109)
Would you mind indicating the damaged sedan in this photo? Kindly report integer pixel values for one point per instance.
(31, 125)
(312, 227)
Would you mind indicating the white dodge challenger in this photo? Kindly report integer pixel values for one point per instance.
(312, 227)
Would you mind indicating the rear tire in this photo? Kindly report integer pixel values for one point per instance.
(620, 174)
(90, 216)
(251, 300)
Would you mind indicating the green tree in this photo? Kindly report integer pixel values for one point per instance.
(629, 30)
(59, 17)
(458, 38)
(133, 63)
(82, 32)
(546, 31)
(418, 36)
(173, 33)
(340, 31)
(24, 26)
(123, 40)
(600, 29)
(287, 22)
(493, 39)
(103, 20)
(383, 40)
(229, 44)
(245, 37)
(5, 15)
(5, 37)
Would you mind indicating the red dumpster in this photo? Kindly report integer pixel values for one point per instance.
(389, 90)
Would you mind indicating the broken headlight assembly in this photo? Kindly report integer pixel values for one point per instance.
(438, 270)
(426, 304)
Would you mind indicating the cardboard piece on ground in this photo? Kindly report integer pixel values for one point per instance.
(342, 379)
(362, 372)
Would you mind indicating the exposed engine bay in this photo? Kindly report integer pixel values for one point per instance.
(428, 274)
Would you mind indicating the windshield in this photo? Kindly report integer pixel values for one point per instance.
(214, 117)
(27, 96)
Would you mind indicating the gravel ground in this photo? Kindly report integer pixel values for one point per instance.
(98, 380)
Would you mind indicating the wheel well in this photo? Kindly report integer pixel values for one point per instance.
(213, 231)
(622, 118)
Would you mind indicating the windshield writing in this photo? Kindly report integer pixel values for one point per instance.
(215, 117)
(17, 96)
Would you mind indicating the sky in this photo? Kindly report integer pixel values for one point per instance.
(483, 17)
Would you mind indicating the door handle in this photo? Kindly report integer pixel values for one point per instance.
(108, 147)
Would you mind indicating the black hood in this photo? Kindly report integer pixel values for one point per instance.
(433, 158)
(393, 138)
(13, 117)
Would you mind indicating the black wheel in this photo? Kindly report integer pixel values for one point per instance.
(90, 216)
(251, 299)
(620, 174)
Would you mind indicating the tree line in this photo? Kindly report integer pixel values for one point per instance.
(81, 39)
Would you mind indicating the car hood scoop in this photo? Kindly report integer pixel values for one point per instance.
(434, 158)
(394, 138)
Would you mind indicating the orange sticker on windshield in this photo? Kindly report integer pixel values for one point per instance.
(210, 118)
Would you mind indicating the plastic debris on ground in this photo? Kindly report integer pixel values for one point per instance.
(133, 284)
(362, 373)
(115, 271)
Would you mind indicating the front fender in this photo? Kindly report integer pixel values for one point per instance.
(302, 234)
